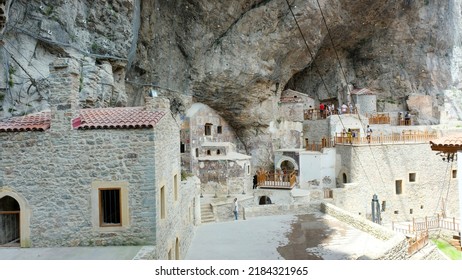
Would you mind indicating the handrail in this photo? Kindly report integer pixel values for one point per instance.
(276, 179)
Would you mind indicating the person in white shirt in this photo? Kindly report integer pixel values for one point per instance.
(236, 209)
(344, 108)
(368, 134)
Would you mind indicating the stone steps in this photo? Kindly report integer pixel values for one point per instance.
(207, 214)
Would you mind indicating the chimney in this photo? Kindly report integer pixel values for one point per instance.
(156, 103)
(64, 92)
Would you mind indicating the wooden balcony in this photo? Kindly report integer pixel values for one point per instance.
(379, 138)
(276, 180)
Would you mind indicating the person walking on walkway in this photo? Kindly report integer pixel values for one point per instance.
(235, 209)
(368, 134)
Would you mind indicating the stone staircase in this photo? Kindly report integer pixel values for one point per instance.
(207, 213)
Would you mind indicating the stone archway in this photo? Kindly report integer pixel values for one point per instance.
(285, 160)
(264, 200)
(11, 200)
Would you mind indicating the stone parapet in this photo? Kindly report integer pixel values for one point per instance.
(396, 245)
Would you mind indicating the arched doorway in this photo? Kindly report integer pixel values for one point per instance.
(264, 200)
(8, 200)
(344, 178)
(9, 222)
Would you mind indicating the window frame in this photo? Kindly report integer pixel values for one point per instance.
(96, 186)
(101, 210)
(208, 129)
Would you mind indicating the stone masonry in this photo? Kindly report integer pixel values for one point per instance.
(426, 182)
(56, 173)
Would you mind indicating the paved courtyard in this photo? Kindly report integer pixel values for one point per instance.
(296, 237)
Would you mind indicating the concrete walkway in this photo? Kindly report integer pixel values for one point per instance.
(71, 253)
(296, 237)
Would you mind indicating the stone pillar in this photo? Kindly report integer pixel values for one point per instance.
(64, 92)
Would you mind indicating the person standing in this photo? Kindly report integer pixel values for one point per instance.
(235, 209)
(344, 108)
(321, 110)
(368, 134)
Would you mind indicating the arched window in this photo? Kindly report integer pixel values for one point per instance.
(264, 200)
(344, 177)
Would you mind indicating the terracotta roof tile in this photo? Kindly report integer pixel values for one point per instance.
(448, 142)
(33, 122)
(121, 117)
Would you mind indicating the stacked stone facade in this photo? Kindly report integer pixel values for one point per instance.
(427, 183)
(56, 174)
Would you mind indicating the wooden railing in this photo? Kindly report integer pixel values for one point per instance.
(318, 146)
(417, 243)
(405, 137)
(379, 118)
(315, 114)
(276, 179)
(428, 223)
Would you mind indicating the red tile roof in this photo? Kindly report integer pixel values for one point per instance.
(99, 118)
(121, 117)
(447, 143)
(38, 121)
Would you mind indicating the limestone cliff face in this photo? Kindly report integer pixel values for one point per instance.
(237, 56)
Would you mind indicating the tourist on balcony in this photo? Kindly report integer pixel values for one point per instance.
(368, 134)
(344, 108)
(407, 119)
(321, 109)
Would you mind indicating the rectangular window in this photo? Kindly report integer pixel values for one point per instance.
(110, 207)
(454, 173)
(208, 129)
(219, 129)
(399, 186)
(412, 177)
(163, 208)
(182, 148)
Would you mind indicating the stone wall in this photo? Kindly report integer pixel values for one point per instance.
(366, 103)
(53, 172)
(58, 173)
(396, 245)
(375, 169)
(277, 209)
